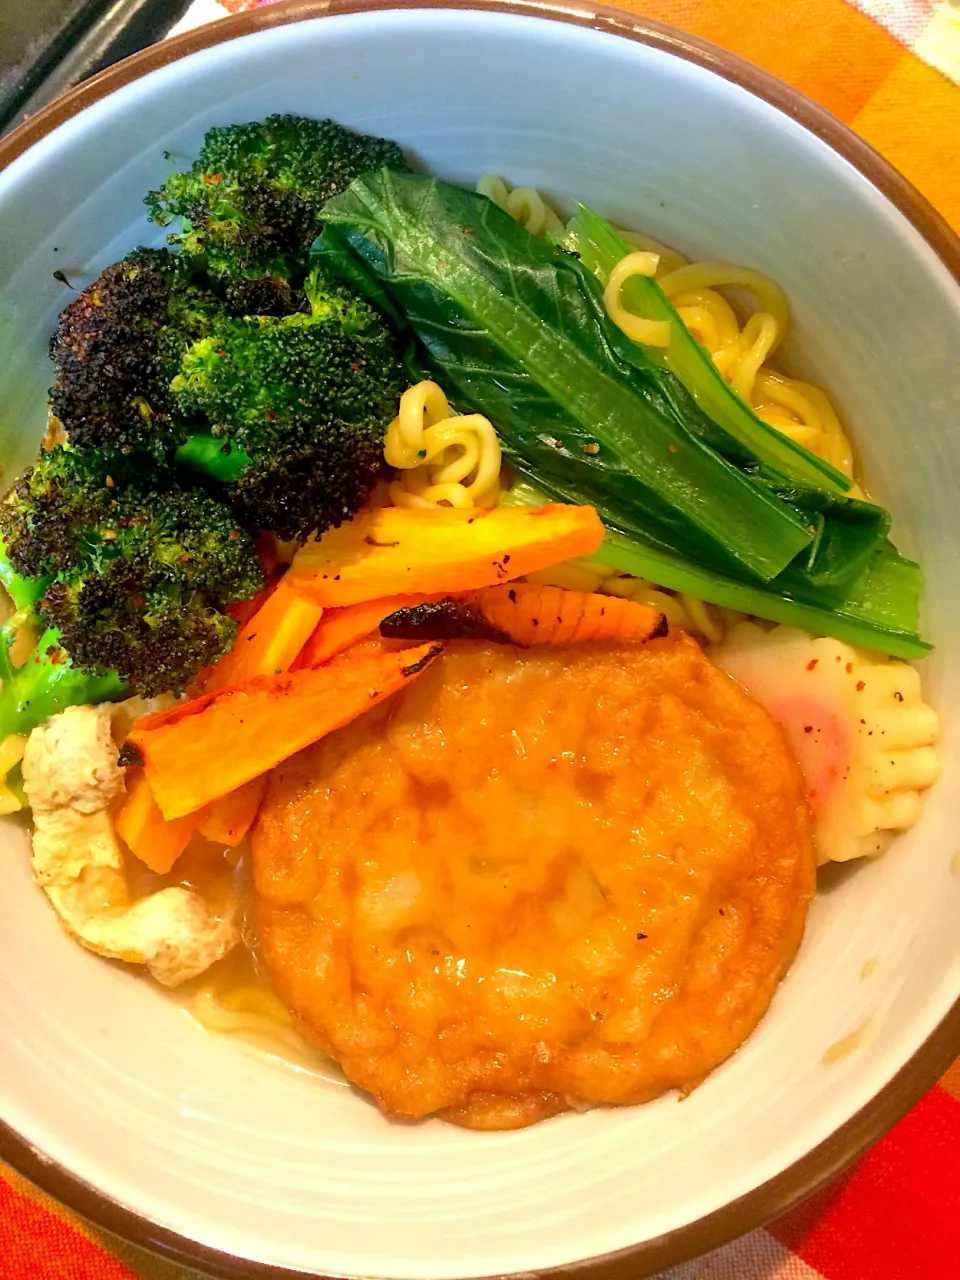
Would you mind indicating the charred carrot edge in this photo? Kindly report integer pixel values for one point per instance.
(552, 615)
(438, 551)
(228, 819)
(157, 842)
(211, 746)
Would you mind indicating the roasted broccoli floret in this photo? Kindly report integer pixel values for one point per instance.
(250, 205)
(297, 410)
(135, 570)
(117, 346)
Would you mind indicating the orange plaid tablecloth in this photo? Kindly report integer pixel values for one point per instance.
(891, 70)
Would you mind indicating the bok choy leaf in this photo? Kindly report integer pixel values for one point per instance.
(519, 331)
(516, 329)
(600, 247)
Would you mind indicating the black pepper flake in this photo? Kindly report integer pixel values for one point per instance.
(641, 937)
(512, 596)
(898, 695)
(535, 621)
(808, 728)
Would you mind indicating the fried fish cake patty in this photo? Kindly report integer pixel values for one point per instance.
(535, 879)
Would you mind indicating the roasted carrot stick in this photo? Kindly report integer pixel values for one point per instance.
(270, 641)
(199, 751)
(551, 615)
(267, 644)
(338, 629)
(436, 550)
(140, 824)
(525, 614)
(228, 819)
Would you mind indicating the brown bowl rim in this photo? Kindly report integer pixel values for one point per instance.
(836, 1153)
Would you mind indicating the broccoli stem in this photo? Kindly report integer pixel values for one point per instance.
(208, 455)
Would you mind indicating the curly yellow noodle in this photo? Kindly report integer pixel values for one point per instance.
(711, 275)
(524, 204)
(654, 333)
(670, 259)
(443, 459)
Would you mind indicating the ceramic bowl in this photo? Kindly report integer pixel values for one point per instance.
(112, 1097)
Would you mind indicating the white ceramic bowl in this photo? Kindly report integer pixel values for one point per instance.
(111, 1096)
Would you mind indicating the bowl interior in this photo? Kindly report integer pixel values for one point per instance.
(110, 1079)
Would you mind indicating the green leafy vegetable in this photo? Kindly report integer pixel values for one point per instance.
(600, 248)
(517, 329)
(520, 331)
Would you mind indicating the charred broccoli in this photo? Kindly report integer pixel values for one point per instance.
(117, 346)
(250, 204)
(130, 575)
(297, 410)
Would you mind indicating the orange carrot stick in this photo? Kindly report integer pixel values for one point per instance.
(229, 819)
(140, 824)
(436, 550)
(267, 643)
(340, 628)
(552, 615)
(270, 641)
(199, 751)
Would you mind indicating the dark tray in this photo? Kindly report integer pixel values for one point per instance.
(48, 46)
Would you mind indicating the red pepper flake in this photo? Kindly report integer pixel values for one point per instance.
(812, 663)
(468, 231)
(673, 448)
(233, 535)
(860, 686)
(211, 179)
(270, 415)
(808, 728)
(849, 668)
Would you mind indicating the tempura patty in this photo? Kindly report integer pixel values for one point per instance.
(537, 879)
